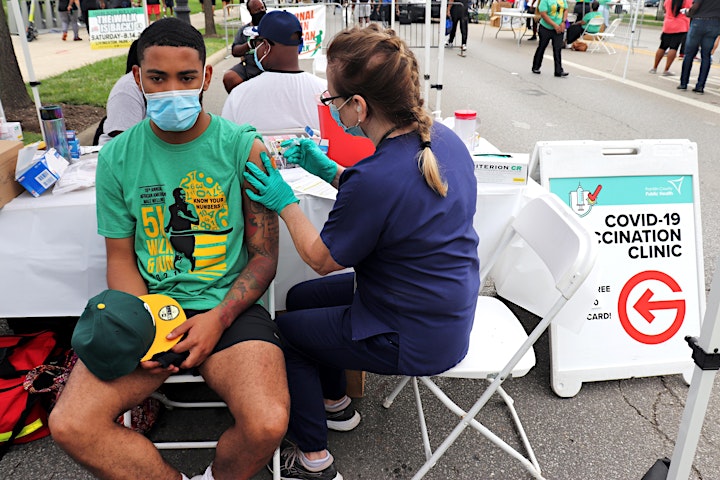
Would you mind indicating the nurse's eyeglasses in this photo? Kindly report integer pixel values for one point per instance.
(326, 99)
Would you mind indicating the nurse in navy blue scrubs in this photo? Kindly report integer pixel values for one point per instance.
(403, 220)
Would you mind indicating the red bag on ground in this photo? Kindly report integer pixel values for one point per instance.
(23, 417)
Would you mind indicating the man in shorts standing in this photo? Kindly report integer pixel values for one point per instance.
(153, 10)
(362, 10)
(229, 337)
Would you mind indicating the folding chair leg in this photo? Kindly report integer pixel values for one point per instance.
(421, 419)
(391, 398)
(518, 424)
(184, 445)
(531, 465)
(469, 418)
(172, 403)
(276, 464)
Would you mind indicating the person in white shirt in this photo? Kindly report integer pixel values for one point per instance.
(283, 97)
(126, 104)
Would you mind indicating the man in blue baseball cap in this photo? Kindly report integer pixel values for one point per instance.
(284, 87)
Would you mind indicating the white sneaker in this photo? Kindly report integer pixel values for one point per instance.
(205, 476)
(653, 70)
(668, 73)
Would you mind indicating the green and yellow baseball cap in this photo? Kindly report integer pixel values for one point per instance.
(117, 331)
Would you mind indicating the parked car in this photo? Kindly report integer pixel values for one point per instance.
(652, 3)
(621, 6)
(413, 11)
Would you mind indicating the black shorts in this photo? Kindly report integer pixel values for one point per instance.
(246, 69)
(671, 41)
(169, 3)
(253, 324)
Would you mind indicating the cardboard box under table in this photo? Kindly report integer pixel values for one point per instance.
(9, 188)
(494, 12)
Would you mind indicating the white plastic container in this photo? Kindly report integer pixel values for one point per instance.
(465, 125)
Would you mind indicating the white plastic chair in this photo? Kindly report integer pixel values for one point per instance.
(269, 300)
(599, 40)
(499, 346)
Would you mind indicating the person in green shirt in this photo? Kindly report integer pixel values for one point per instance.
(553, 14)
(605, 11)
(577, 29)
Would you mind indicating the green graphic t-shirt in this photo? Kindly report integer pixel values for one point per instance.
(555, 10)
(183, 206)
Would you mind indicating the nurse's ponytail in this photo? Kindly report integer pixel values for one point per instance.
(378, 66)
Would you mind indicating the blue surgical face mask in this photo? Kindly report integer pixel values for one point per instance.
(258, 61)
(174, 110)
(355, 130)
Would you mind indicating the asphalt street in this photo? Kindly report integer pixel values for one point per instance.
(611, 430)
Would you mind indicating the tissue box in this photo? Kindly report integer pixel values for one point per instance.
(9, 188)
(42, 173)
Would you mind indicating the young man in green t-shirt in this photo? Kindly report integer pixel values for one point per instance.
(171, 204)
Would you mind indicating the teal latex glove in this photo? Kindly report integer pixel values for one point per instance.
(307, 154)
(272, 191)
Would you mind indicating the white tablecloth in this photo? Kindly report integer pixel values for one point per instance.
(53, 260)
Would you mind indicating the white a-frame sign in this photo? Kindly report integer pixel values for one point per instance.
(641, 200)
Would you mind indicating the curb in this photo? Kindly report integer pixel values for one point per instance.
(86, 136)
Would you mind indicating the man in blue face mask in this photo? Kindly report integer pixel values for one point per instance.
(172, 206)
(283, 97)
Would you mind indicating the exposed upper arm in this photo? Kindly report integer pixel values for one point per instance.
(261, 224)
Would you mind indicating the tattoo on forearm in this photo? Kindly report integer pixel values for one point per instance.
(261, 240)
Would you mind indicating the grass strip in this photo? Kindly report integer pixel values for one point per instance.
(72, 87)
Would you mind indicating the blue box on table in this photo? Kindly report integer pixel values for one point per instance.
(41, 173)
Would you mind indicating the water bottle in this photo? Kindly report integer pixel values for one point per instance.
(55, 131)
(465, 124)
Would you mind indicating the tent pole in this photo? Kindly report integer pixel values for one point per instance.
(633, 22)
(441, 58)
(705, 353)
(707, 361)
(20, 25)
(392, 14)
(428, 40)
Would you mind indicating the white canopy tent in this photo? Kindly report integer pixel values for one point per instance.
(15, 5)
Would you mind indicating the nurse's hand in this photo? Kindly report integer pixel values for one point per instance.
(307, 154)
(272, 191)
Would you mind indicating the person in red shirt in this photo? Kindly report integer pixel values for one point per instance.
(675, 27)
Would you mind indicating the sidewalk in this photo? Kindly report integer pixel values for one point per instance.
(50, 55)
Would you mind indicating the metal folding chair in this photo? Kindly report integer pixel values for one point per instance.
(599, 40)
(499, 346)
